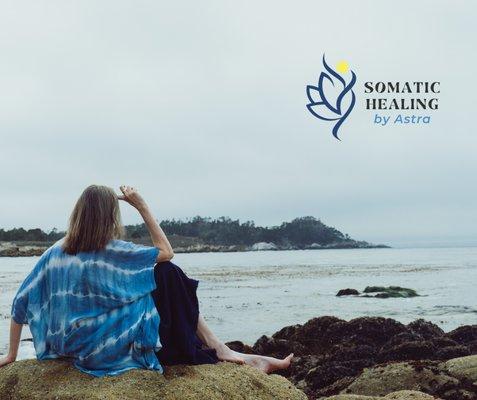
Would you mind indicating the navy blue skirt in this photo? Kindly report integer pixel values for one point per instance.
(176, 301)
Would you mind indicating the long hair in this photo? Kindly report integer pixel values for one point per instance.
(95, 220)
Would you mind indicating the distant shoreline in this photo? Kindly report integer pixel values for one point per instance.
(31, 249)
(205, 234)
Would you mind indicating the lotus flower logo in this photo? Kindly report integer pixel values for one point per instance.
(332, 99)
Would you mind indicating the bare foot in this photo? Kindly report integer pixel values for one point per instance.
(225, 354)
(267, 364)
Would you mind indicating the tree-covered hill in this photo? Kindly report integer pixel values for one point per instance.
(225, 231)
(219, 234)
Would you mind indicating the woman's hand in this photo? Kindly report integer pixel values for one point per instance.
(7, 360)
(131, 196)
(158, 237)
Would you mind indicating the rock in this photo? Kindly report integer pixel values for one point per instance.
(472, 346)
(380, 292)
(385, 379)
(331, 353)
(314, 246)
(347, 353)
(347, 292)
(278, 347)
(446, 353)
(314, 333)
(412, 346)
(301, 366)
(464, 334)
(334, 388)
(373, 331)
(351, 397)
(403, 337)
(443, 341)
(390, 291)
(463, 368)
(425, 329)
(287, 332)
(9, 249)
(48, 380)
(327, 374)
(208, 248)
(364, 357)
(239, 346)
(408, 395)
(400, 395)
(263, 246)
(414, 350)
(333, 372)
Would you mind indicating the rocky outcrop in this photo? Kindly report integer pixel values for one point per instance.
(58, 380)
(332, 355)
(390, 291)
(425, 376)
(454, 379)
(362, 359)
(400, 395)
(463, 368)
(347, 292)
(8, 249)
(193, 245)
(379, 292)
(263, 246)
(209, 248)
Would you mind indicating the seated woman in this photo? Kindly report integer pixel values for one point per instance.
(110, 305)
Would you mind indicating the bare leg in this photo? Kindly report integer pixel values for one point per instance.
(210, 340)
(263, 363)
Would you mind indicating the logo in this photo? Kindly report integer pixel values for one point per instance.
(332, 99)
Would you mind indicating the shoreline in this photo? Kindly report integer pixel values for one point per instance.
(11, 249)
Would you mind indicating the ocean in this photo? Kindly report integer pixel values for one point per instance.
(246, 295)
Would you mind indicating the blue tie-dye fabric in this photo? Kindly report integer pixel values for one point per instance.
(94, 307)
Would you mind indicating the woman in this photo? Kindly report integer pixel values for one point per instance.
(110, 305)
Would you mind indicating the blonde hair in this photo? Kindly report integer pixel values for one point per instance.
(95, 220)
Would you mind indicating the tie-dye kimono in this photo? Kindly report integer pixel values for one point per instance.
(94, 308)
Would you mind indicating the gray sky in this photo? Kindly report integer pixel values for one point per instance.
(201, 105)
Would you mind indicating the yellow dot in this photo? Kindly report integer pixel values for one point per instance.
(342, 67)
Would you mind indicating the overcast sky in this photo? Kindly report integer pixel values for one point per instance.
(201, 105)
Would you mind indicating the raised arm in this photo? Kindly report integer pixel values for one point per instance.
(158, 237)
(15, 334)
